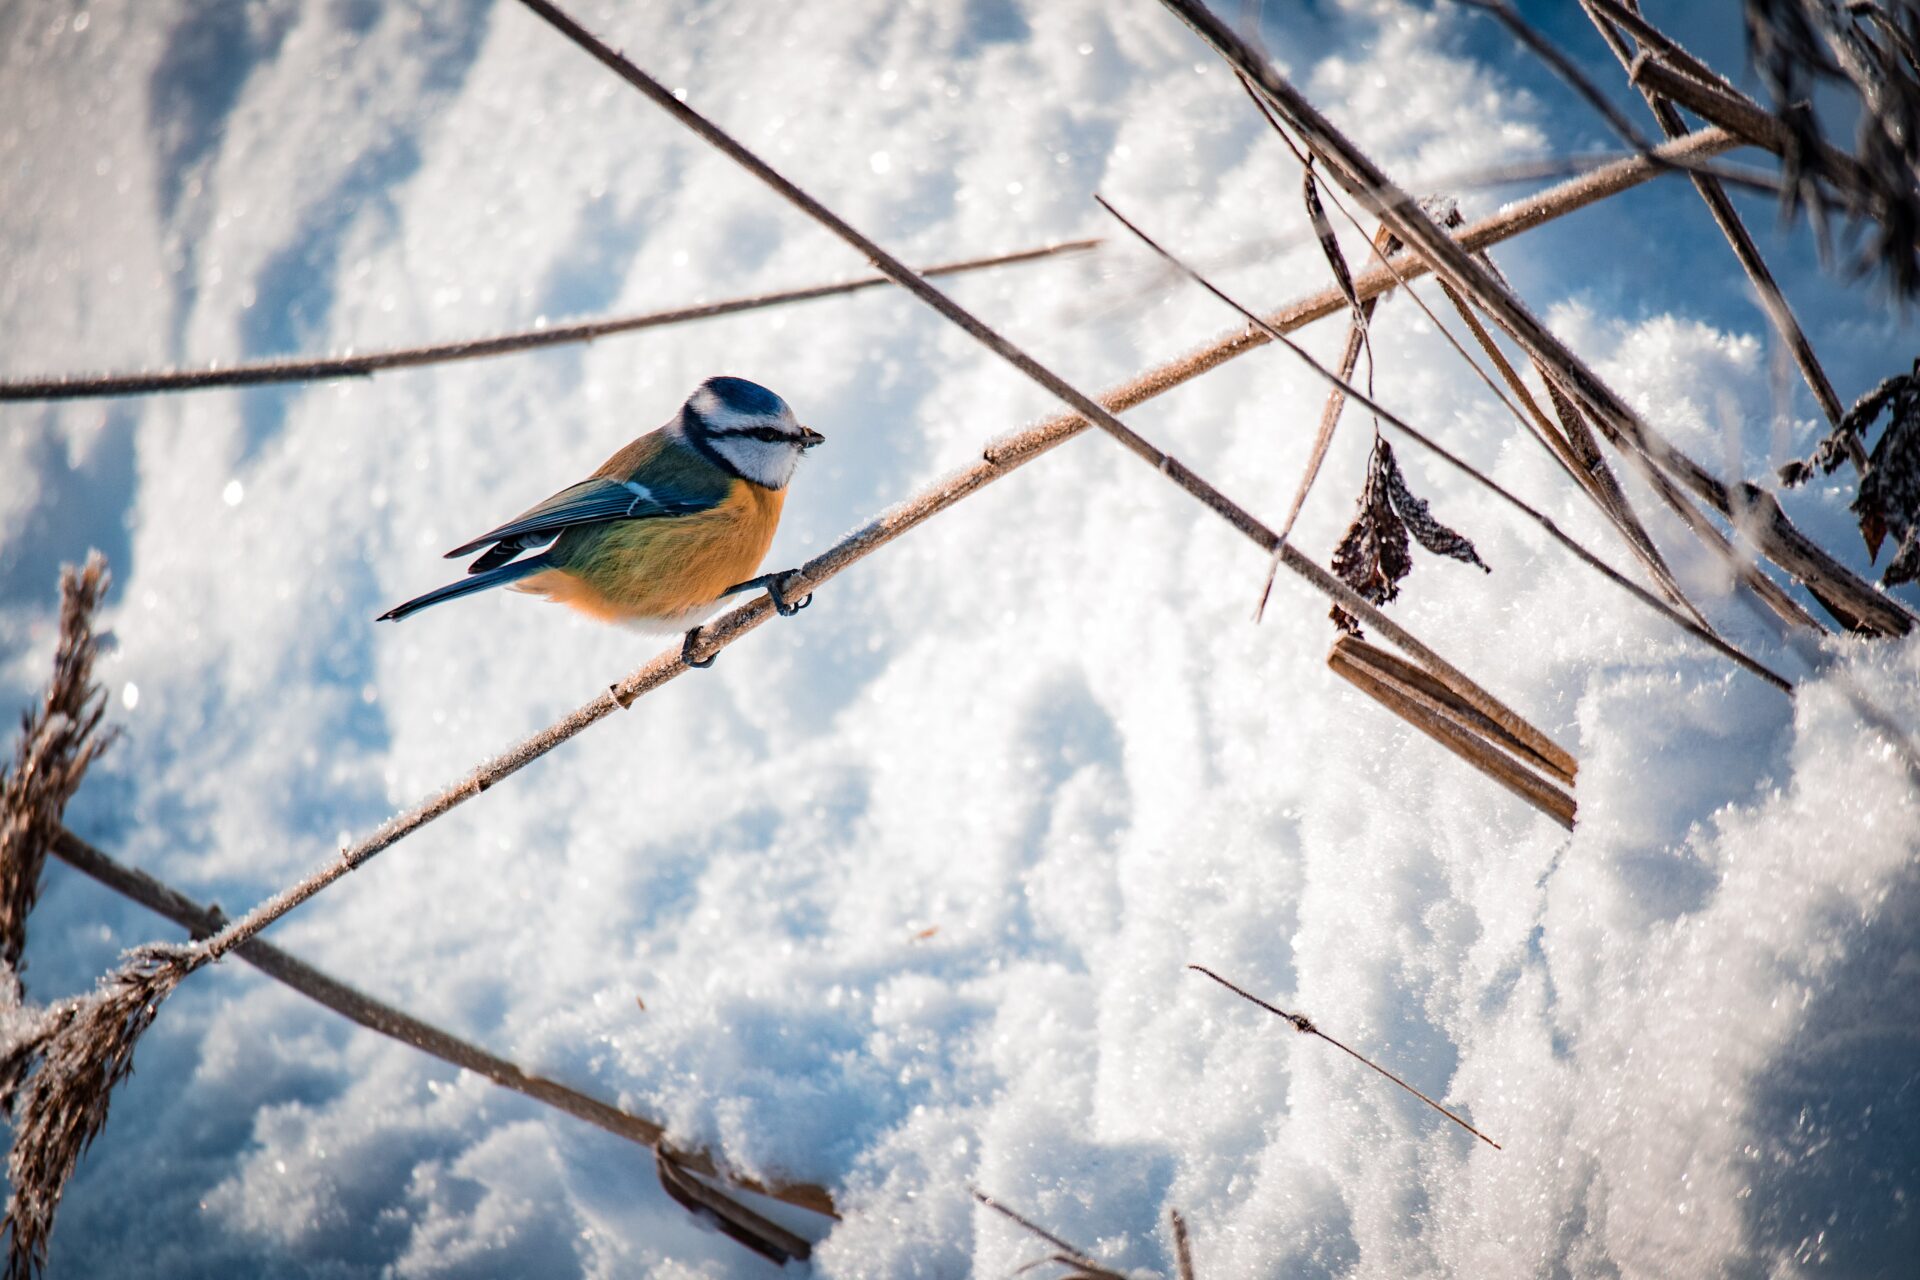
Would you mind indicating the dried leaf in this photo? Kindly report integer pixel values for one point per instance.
(1374, 554)
(1330, 245)
(1429, 532)
(1889, 498)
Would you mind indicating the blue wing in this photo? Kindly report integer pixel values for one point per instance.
(664, 483)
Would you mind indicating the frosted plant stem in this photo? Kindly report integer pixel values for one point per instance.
(1692, 628)
(1752, 511)
(1772, 301)
(396, 1024)
(299, 369)
(1305, 1026)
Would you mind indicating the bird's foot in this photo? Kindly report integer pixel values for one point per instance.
(686, 651)
(770, 582)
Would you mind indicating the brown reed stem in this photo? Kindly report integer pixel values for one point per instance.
(1182, 1249)
(1305, 1026)
(300, 369)
(1772, 301)
(1750, 509)
(1698, 631)
(356, 1006)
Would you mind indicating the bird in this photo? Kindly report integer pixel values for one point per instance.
(665, 529)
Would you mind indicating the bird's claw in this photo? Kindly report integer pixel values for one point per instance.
(686, 651)
(771, 581)
(781, 605)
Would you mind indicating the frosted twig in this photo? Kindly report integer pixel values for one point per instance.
(1703, 634)
(300, 369)
(1306, 1026)
(1068, 1255)
(356, 1006)
(1753, 511)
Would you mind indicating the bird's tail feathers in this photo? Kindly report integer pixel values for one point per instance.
(467, 586)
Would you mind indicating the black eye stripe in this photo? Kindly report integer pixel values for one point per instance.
(769, 434)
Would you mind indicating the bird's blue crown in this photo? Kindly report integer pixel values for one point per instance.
(749, 399)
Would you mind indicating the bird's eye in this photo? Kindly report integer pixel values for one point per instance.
(768, 434)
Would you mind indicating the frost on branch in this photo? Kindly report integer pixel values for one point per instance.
(1375, 553)
(1889, 497)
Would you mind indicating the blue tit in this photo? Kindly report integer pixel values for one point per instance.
(665, 528)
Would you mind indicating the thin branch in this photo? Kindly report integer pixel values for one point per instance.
(1743, 117)
(1751, 510)
(299, 369)
(356, 1006)
(1628, 16)
(1305, 1026)
(1466, 468)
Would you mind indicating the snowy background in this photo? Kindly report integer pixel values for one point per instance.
(1042, 727)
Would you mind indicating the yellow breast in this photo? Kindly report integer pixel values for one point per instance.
(669, 570)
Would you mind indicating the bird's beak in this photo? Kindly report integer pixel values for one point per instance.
(809, 437)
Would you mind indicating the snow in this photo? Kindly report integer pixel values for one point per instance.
(907, 884)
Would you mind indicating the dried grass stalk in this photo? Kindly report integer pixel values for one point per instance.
(59, 739)
(1182, 1250)
(364, 365)
(1489, 746)
(1751, 510)
(734, 1220)
(1745, 251)
(1427, 657)
(58, 1069)
(1582, 461)
(1307, 1027)
(202, 921)
(1067, 1256)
